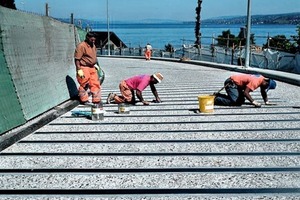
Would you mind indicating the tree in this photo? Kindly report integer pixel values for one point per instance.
(243, 36)
(227, 39)
(279, 42)
(8, 4)
(296, 38)
(197, 26)
(169, 48)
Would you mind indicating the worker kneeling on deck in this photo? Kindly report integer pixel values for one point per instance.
(136, 83)
(239, 86)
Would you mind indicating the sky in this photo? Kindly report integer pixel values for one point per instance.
(181, 10)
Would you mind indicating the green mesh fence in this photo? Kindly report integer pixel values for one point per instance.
(37, 65)
(11, 114)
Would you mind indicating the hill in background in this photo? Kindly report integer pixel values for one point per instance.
(288, 18)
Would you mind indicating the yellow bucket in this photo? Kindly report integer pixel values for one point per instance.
(206, 103)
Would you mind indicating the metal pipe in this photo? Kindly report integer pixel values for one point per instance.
(247, 52)
(108, 34)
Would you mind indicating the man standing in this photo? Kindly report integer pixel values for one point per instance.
(137, 83)
(87, 76)
(148, 51)
(239, 86)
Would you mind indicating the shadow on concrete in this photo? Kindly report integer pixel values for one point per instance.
(72, 88)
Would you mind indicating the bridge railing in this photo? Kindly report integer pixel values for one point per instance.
(265, 59)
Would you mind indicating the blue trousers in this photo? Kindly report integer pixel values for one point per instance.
(235, 95)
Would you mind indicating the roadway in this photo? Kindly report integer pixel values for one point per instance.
(162, 151)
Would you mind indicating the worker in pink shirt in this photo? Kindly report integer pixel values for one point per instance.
(136, 83)
(239, 86)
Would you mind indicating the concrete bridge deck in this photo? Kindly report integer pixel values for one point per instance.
(162, 151)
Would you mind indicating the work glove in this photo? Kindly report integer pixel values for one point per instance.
(97, 67)
(256, 104)
(268, 103)
(80, 73)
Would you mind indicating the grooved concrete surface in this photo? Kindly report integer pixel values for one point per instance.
(162, 151)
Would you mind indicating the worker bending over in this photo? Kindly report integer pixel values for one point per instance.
(239, 86)
(136, 83)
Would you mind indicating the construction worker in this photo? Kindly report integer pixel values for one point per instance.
(136, 83)
(87, 68)
(148, 51)
(239, 86)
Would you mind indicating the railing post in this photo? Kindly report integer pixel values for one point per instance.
(47, 10)
(72, 18)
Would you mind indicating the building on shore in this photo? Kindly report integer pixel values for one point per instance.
(114, 41)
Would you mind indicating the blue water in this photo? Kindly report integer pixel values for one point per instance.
(159, 35)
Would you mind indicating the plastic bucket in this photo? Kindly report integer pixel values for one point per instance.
(123, 108)
(97, 114)
(206, 103)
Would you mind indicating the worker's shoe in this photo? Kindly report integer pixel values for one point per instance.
(87, 103)
(110, 97)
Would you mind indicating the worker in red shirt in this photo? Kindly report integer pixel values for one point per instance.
(87, 70)
(136, 83)
(239, 86)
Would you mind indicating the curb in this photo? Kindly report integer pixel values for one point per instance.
(16, 134)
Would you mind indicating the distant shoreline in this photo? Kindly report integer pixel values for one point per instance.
(179, 25)
(274, 19)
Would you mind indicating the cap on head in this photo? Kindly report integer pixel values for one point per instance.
(158, 76)
(272, 85)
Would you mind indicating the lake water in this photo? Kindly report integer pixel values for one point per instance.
(158, 35)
